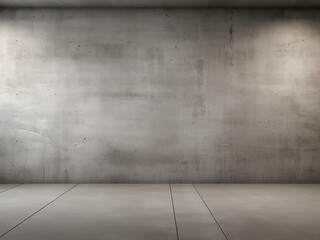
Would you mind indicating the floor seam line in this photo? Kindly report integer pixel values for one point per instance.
(39, 210)
(211, 212)
(11, 188)
(174, 212)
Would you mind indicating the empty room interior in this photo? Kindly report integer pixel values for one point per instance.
(159, 120)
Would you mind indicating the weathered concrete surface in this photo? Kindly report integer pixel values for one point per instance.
(155, 95)
(19, 203)
(193, 218)
(159, 3)
(265, 211)
(103, 211)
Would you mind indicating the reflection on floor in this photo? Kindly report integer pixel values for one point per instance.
(160, 211)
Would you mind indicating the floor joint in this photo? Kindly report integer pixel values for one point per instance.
(39, 210)
(174, 212)
(12, 187)
(211, 212)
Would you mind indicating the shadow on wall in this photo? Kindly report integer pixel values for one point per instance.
(273, 101)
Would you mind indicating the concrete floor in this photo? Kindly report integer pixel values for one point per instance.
(160, 211)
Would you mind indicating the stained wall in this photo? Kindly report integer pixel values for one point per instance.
(159, 95)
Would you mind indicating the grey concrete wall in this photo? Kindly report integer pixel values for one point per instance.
(159, 3)
(159, 95)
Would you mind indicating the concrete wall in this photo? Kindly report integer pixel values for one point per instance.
(159, 95)
(159, 3)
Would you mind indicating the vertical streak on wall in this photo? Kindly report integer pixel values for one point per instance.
(231, 25)
(229, 92)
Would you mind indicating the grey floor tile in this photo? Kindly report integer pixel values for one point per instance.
(194, 221)
(104, 211)
(7, 187)
(265, 211)
(19, 203)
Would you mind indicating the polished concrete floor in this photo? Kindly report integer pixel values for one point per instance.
(160, 211)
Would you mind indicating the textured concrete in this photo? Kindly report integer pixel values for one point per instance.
(265, 211)
(194, 221)
(20, 202)
(115, 212)
(155, 95)
(145, 212)
(159, 3)
(6, 187)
